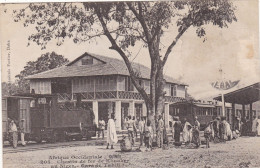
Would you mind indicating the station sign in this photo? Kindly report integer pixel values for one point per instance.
(224, 85)
(42, 100)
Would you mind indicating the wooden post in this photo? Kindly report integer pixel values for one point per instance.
(144, 109)
(95, 110)
(243, 111)
(118, 114)
(131, 108)
(166, 115)
(251, 114)
(233, 112)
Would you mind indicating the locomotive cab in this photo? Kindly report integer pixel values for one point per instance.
(16, 108)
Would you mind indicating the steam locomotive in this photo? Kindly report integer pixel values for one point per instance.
(46, 119)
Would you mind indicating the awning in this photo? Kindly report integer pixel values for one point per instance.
(246, 95)
(204, 105)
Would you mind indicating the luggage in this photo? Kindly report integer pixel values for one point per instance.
(126, 145)
(177, 143)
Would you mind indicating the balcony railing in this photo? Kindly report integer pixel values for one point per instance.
(64, 97)
(110, 95)
(129, 95)
(106, 95)
(173, 99)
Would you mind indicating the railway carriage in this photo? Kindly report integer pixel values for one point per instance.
(46, 119)
(188, 110)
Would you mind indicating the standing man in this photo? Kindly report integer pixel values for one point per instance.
(160, 132)
(186, 132)
(197, 123)
(258, 126)
(130, 128)
(135, 122)
(141, 130)
(111, 132)
(216, 122)
(13, 133)
(101, 125)
(177, 129)
(254, 125)
(22, 131)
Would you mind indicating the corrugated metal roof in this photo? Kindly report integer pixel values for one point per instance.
(111, 66)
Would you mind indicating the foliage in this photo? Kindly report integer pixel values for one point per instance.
(124, 24)
(43, 63)
(9, 89)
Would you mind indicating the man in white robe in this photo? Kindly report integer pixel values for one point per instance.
(258, 126)
(186, 133)
(254, 125)
(22, 131)
(111, 133)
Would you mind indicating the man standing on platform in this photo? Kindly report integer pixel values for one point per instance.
(111, 132)
(13, 133)
(130, 128)
(22, 131)
(141, 130)
(254, 126)
(101, 125)
(197, 123)
(160, 132)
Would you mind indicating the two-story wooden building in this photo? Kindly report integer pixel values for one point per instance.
(104, 84)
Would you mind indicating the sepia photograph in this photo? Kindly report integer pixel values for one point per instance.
(163, 84)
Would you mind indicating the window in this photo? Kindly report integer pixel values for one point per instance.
(173, 90)
(88, 61)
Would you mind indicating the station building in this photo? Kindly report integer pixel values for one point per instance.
(104, 84)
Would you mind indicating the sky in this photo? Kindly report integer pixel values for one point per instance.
(235, 49)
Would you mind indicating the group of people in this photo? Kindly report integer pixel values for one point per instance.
(218, 130)
(145, 130)
(246, 127)
(190, 133)
(13, 131)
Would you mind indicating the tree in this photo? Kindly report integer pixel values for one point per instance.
(9, 89)
(126, 24)
(45, 62)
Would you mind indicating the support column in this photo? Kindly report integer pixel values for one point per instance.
(131, 108)
(144, 109)
(251, 114)
(166, 114)
(233, 112)
(110, 109)
(95, 110)
(118, 114)
(243, 111)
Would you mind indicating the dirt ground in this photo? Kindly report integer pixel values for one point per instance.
(243, 152)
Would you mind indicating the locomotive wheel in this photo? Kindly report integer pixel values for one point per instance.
(79, 138)
(10, 142)
(53, 138)
(61, 138)
(38, 140)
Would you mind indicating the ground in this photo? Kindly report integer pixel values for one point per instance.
(243, 152)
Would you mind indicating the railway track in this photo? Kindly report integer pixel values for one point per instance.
(45, 146)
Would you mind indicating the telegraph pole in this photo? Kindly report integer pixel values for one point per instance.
(222, 93)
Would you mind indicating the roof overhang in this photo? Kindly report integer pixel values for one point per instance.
(246, 95)
(204, 105)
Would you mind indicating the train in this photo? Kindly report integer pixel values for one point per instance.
(205, 111)
(46, 119)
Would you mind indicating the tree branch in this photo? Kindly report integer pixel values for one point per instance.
(120, 51)
(173, 44)
(141, 19)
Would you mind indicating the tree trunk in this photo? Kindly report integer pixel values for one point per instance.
(160, 94)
